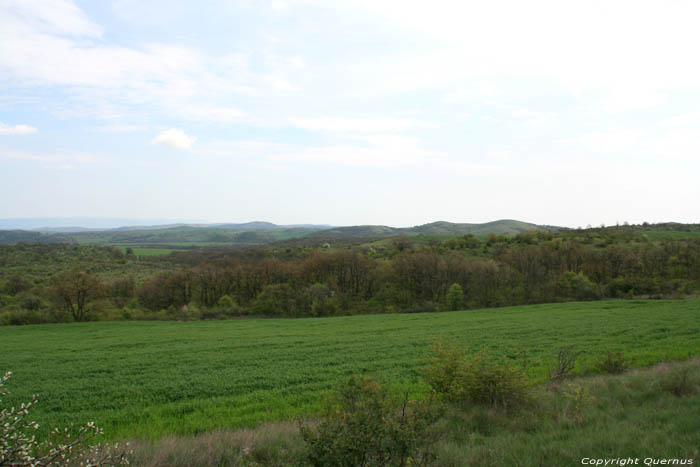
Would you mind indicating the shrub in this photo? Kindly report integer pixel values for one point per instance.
(613, 363)
(566, 361)
(225, 302)
(479, 379)
(455, 297)
(679, 383)
(18, 446)
(577, 286)
(21, 317)
(365, 426)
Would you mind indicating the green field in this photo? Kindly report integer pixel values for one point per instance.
(151, 251)
(149, 379)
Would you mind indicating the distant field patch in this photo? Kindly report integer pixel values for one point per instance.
(151, 251)
(149, 379)
(671, 235)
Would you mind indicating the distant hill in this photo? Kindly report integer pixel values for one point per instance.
(11, 237)
(251, 233)
(500, 227)
(80, 223)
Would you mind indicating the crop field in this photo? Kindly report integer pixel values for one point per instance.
(151, 251)
(149, 379)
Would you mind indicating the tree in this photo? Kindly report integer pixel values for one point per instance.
(16, 284)
(74, 290)
(455, 297)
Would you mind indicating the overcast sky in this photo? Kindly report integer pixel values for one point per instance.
(392, 112)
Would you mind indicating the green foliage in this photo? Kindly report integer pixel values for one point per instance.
(577, 286)
(579, 399)
(16, 284)
(627, 415)
(455, 297)
(73, 291)
(225, 302)
(363, 425)
(680, 382)
(479, 379)
(611, 362)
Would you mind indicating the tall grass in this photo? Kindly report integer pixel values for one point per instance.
(621, 416)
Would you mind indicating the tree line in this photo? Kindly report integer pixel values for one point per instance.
(403, 275)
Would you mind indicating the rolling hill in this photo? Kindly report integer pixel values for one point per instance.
(500, 227)
(253, 233)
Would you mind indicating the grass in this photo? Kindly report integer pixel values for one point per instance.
(152, 379)
(634, 415)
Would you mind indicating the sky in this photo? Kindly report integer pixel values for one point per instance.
(346, 112)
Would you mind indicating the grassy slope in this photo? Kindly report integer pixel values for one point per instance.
(148, 379)
(635, 414)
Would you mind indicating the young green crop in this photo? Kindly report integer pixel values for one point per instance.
(149, 379)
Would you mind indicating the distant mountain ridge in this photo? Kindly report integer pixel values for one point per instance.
(500, 227)
(251, 233)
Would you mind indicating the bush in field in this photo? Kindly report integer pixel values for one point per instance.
(19, 447)
(478, 379)
(363, 425)
(566, 361)
(611, 362)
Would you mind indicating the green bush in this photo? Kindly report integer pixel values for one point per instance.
(611, 362)
(479, 379)
(363, 425)
(225, 302)
(455, 298)
(577, 286)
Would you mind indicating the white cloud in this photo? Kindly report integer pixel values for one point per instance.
(57, 160)
(214, 113)
(56, 49)
(614, 141)
(379, 150)
(687, 120)
(357, 125)
(175, 138)
(120, 128)
(53, 16)
(16, 129)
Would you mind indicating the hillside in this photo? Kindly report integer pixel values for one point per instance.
(251, 233)
(500, 227)
(261, 233)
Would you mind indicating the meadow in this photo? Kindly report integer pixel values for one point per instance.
(152, 379)
(150, 251)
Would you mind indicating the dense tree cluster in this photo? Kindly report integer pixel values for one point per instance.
(402, 275)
